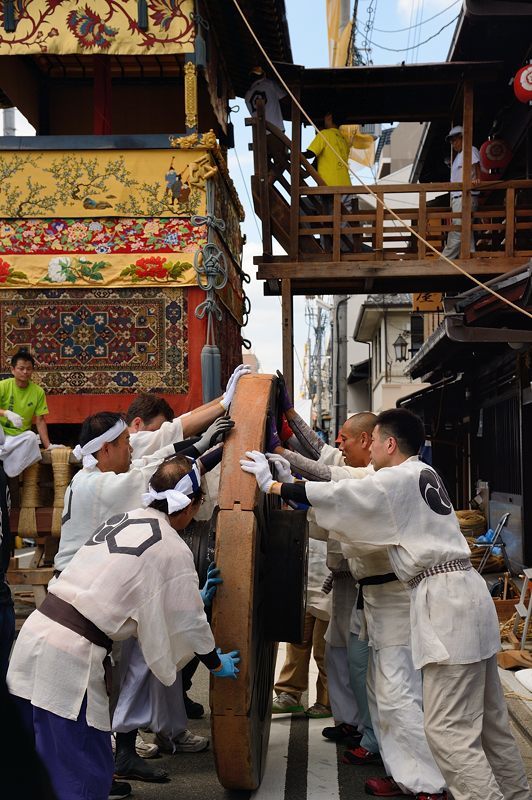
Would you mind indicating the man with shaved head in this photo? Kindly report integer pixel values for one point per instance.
(404, 509)
(346, 654)
(381, 615)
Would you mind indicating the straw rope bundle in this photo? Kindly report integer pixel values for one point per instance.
(62, 471)
(29, 500)
(472, 522)
(507, 627)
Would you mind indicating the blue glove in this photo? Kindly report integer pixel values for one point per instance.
(211, 584)
(229, 662)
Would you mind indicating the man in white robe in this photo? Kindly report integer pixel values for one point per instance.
(389, 702)
(405, 509)
(108, 484)
(152, 424)
(135, 577)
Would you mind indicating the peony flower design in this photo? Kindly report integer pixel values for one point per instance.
(58, 269)
(70, 270)
(10, 275)
(90, 30)
(157, 268)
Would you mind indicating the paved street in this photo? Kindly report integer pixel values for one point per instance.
(301, 765)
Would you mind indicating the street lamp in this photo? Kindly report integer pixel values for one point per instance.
(400, 347)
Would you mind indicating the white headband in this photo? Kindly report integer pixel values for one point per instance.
(177, 498)
(94, 445)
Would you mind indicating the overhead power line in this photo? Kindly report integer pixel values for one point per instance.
(417, 25)
(375, 196)
(406, 49)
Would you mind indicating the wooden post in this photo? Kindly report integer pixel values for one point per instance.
(467, 144)
(510, 222)
(336, 225)
(422, 225)
(295, 171)
(260, 144)
(288, 334)
(379, 229)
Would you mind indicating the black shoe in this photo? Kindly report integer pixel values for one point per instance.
(341, 733)
(194, 710)
(118, 790)
(135, 768)
(129, 765)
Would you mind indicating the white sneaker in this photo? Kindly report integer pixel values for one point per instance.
(286, 703)
(144, 749)
(186, 742)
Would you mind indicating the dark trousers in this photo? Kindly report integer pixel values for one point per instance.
(7, 635)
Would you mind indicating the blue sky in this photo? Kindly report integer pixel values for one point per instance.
(308, 33)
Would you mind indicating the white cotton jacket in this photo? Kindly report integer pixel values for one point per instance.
(135, 577)
(93, 496)
(146, 443)
(406, 509)
(385, 620)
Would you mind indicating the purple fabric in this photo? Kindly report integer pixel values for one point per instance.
(78, 758)
(285, 401)
(272, 437)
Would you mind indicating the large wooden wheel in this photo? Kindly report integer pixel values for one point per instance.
(243, 607)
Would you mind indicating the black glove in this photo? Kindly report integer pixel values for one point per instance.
(214, 434)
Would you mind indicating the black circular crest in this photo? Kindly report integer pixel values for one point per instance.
(434, 492)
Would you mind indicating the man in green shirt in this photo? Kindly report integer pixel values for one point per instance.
(21, 402)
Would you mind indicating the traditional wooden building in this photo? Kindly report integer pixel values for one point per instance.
(119, 223)
(337, 245)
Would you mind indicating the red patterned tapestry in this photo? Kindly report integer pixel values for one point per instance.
(104, 341)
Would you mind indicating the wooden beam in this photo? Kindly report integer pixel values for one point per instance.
(318, 271)
(467, 144)
(288, 335)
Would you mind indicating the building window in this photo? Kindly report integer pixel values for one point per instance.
(416, 332)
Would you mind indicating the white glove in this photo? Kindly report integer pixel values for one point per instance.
(55, 446)
(259, 467)
(15, 419)
(230, 389)
(282, 467)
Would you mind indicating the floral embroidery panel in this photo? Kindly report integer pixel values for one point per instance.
(99, 26)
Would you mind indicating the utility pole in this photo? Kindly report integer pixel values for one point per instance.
(340, 361)
(317, 316)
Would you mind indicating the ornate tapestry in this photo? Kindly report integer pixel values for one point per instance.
(106, 251)
(102, 341)
(97, 26)
(88, 183)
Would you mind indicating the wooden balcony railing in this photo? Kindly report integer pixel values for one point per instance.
(335, 224)
(353, 226)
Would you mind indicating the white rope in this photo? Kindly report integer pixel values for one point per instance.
(378, 199)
